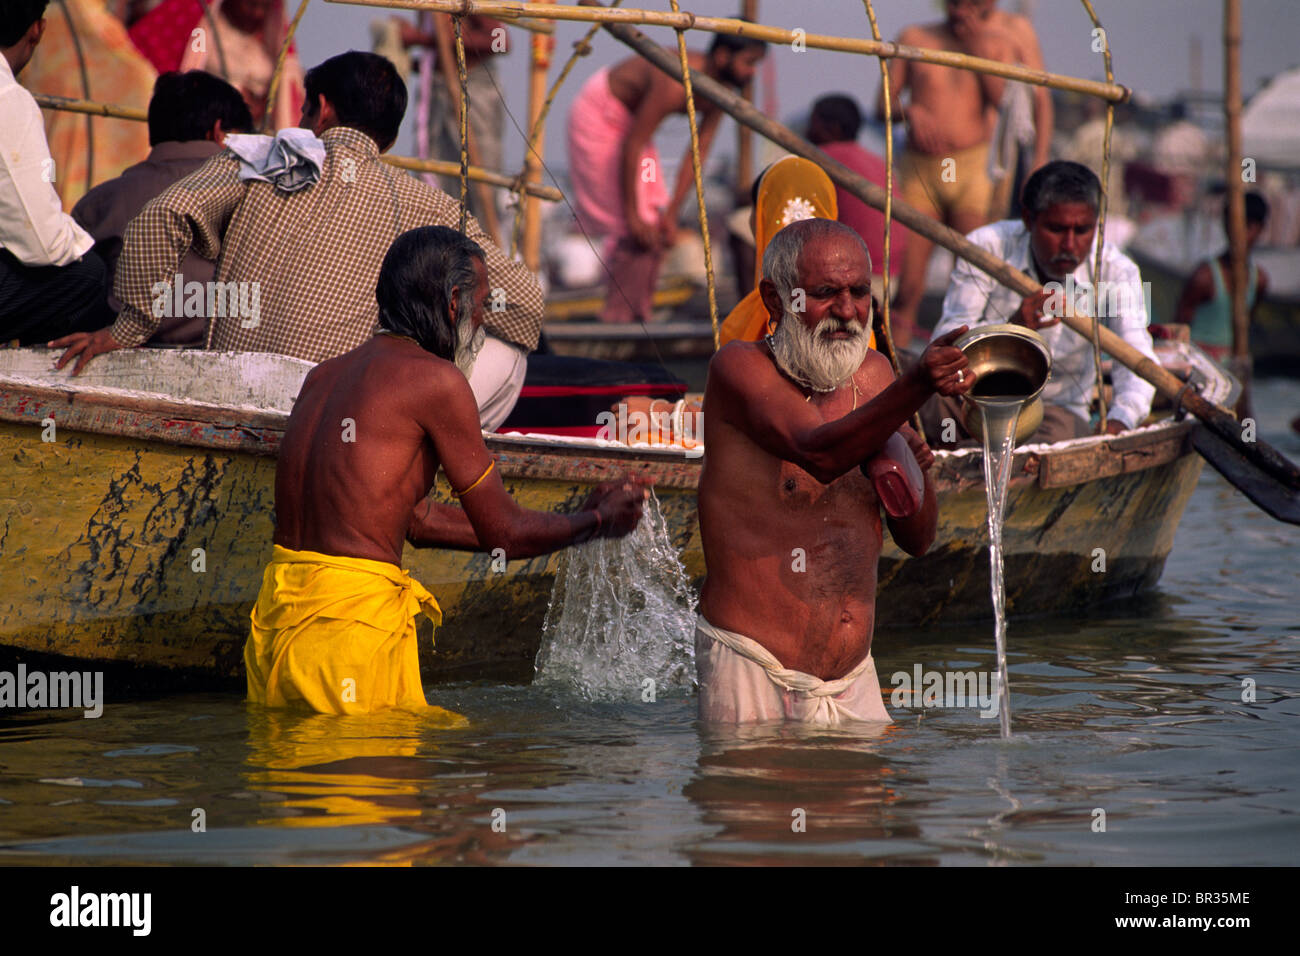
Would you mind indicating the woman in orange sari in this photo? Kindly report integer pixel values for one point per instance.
(791, 189)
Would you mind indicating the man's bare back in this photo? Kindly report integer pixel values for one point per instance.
(355, 460)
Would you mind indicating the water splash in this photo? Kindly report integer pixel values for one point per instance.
(1001, 415)
(622, 612)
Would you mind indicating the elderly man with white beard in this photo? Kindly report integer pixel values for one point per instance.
(791, 527)
(333, 629)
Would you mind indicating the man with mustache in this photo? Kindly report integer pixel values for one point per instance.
(791, 527)
(333, 629)
(1055, 244)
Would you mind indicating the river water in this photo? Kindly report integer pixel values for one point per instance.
(1133, 745)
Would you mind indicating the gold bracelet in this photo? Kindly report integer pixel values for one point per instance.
(462, 494)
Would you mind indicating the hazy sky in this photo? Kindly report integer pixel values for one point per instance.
(1151, 43)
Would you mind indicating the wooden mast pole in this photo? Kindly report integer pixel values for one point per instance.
(1236, 194)
(540, 51)
(744, 138)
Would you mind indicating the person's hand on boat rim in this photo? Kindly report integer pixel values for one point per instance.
(920, 450)
(943, 367)
(619, 504)
(1115, 428)
(84, 346)
(1032, 313)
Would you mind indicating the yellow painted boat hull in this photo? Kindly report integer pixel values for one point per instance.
(135, 531)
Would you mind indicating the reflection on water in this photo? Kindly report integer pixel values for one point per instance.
(1140, 710)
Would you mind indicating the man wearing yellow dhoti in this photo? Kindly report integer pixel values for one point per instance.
(334, 625)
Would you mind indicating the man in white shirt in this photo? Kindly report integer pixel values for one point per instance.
(51, 284)
(1056, 244)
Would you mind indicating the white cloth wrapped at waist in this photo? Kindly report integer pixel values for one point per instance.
(726, 694)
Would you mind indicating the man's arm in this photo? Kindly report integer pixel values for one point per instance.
(1133, 394)
(916, 534)
(1198, 290)
(658, 102)
(969, 290)
(686, 172)
(190, 214)
(33, 225)
(449, 417)
(1044, 115)
(751, 396)
(898, 79)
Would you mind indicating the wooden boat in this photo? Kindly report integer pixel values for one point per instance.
(136, 517)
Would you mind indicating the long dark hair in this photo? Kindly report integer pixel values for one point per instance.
(418, 274)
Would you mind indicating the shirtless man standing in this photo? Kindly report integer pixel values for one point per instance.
(944, 169)
(791, 527)
(334, 624)
(617, 181)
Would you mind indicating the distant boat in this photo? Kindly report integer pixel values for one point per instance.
(136, 519)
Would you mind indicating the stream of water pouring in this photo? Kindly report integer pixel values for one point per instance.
(1000, 417)
(622, 613)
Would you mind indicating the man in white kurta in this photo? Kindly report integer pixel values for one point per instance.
(1055, 243)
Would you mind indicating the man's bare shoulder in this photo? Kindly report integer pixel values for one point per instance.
(923, 34)
(737, 362)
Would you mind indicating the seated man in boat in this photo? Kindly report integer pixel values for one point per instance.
(334, 625)
(791, 527)
(1055, 242)
(303, 261)
(190, 115)
(1206, 300)
(51, 282)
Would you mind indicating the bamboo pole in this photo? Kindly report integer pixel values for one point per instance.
(540, 51)
(1166, 383)
(1236, 188)
(744, 138)
(70, 105)
(513, 9)
(1101, 221)
(274, 90)
(449, 63)
(441, 167)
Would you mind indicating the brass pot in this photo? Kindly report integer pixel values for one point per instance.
(1009, 361)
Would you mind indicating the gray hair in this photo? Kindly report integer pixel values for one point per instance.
(781, 259)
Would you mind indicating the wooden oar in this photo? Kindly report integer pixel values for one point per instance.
(1254, 467)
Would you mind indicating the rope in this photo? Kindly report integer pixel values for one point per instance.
(216, 38)
(889, 210)
(699, 177)
(613, 280)
(274, 89)
(580, 49)
(85, 88)
(463, 73)
(1101, 224)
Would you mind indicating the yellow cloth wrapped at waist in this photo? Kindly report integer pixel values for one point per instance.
(336, 634)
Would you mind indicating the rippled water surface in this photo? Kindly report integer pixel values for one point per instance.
(1136, 710)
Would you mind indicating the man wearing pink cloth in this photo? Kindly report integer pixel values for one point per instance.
(618, 186)
(833, 128)
(790, 525)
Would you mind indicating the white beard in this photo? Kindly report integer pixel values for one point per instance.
(810, 359)
(468, 343)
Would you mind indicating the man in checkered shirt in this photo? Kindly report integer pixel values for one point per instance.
(308, 260)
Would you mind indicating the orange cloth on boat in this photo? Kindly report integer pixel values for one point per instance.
(336, 634)
(85, 53)
(792, 189)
